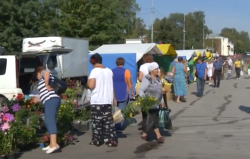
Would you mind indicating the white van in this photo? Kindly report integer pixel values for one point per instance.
(17, 71)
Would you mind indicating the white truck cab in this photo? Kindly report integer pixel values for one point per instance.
(17, 71)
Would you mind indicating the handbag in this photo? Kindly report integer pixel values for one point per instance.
(117, 115)
(58, 86)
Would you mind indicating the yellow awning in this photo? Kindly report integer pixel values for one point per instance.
(167, 49)
(198, 53)
(208, 55)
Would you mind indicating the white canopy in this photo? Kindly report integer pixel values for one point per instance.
(216, 55)
(139, 49)
(188, 53)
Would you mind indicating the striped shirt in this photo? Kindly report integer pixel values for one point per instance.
(43, 92)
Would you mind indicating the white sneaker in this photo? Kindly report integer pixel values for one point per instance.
(51, 150)
(46, 148)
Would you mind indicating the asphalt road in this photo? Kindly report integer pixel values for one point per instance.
(216, 126)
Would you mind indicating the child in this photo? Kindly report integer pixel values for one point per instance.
(229, 72)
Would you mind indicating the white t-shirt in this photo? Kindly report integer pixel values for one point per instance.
(144, 69)
(230, 62)
(210, 67)
(103, 93)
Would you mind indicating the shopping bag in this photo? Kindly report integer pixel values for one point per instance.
(241, 73)
(117, 115)
(85, 99)
(164, 120)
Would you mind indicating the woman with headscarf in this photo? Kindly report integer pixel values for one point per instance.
(100, 83)
(151, 86)
(143, 71)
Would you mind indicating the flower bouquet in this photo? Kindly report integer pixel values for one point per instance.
(146, 102)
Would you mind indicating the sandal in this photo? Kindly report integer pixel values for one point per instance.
(144, 137)
(94, 144)
(160, 140)
(111, 144)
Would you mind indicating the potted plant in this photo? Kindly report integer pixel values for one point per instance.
(82, 119)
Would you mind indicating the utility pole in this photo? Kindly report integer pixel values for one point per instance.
(213, 43)
(152, 25)
(203, 37)
(184, 33)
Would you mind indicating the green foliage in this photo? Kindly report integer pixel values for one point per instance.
(169, 30)
(102, 22)
(146, 103)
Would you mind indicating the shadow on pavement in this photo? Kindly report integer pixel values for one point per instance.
(245, 109)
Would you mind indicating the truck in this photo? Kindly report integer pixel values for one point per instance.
(64, 57)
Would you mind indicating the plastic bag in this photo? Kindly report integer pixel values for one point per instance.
(241, 73)
(85, 99)
(117, 115)
(163, 117)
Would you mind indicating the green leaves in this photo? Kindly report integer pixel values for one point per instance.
(102, 22)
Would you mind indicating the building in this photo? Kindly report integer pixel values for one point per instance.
(222, 45)
(143, 39)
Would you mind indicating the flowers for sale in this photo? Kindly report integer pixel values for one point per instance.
(16, 107)
(146, 102)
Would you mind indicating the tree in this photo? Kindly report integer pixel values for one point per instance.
(18, 20)
(170, 30)
(139, 29)
(100, 21)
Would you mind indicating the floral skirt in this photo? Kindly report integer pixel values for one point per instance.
(152, 120)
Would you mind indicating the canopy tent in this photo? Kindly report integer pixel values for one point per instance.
(189, 56)
(187, 53)
(132, 53)
(209, 55)
(167, 49)
(138, 49)
(216, 55)
(200, 52)
(169, 55)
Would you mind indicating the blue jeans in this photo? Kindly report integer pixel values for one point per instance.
(122, 105)
(200, 86)
(51, 109)
(229, 76)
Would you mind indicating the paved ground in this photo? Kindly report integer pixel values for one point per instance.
(215, 126)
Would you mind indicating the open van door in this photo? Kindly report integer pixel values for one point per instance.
(49, 57)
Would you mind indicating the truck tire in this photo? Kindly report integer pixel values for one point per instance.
(3, 102)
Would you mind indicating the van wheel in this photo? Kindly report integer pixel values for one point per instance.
(3, 101)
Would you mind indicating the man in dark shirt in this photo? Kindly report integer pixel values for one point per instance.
(217, 70)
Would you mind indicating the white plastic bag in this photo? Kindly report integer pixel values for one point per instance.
(117, 115)
(85, 99)
(241, 73)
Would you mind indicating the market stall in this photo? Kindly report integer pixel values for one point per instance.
(190, 54)
(132, 53)
(169, 54)
(208, 55)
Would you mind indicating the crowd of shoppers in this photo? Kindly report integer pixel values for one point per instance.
(114, 88)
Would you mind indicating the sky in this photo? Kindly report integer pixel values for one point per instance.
(219, 13)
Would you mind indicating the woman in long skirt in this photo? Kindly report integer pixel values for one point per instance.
(179, 71)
